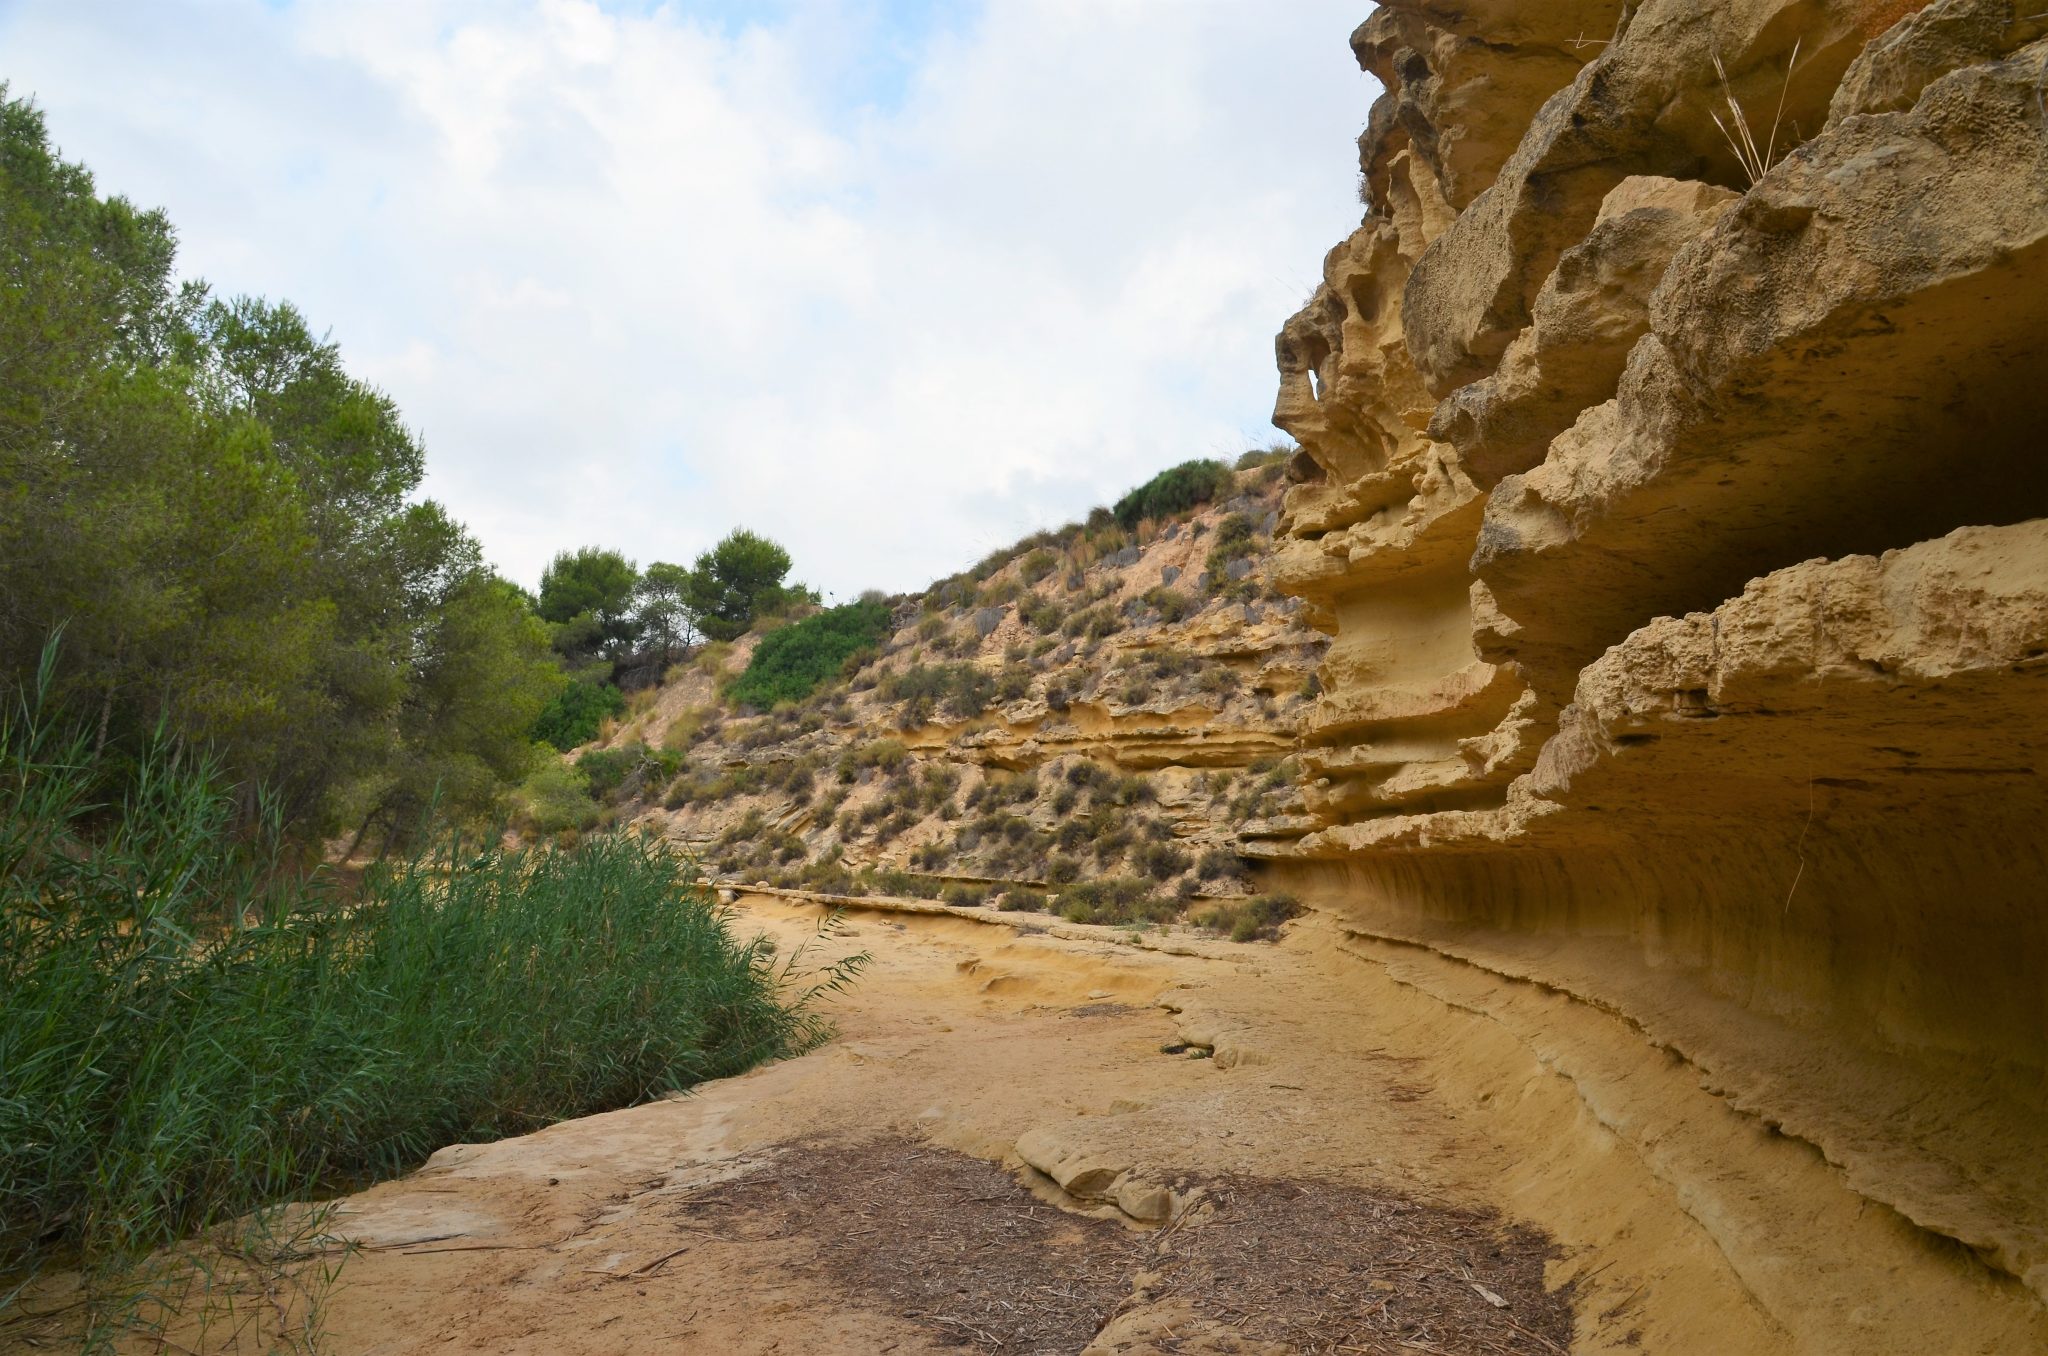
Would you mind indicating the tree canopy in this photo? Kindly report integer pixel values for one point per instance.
(587, 596)
(222, 523)
(665, 617)
(735, 583)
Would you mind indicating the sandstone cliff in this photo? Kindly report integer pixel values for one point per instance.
(1673, 497)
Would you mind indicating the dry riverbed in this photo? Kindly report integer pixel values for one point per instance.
(1036, 1138)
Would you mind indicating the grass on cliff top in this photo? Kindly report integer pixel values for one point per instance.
(189, 1030)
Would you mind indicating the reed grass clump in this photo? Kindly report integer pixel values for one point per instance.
(191, 1029)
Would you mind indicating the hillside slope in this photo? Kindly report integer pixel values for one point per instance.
(1096, 721)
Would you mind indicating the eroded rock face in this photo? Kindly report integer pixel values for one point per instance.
(1588, 316)
(1682, 533)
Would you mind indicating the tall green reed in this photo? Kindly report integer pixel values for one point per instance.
(190, 1030)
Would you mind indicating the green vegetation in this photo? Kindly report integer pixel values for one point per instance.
(1117, 900)
(887, 754)
(586, 598)
(1236, 538)
(737, 582)
(555, 799)
(224, 524)
(963, 691)
(1171, 604)
(1176, 490)
(1259, 458)
(1257, 919)
(663, 594)
(188, 1032)
(790, 664)
(576, 714)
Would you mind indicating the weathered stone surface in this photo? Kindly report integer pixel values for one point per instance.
(1681, 527)
(1844, 362)
(1079, 1171)
(1924, 46)
(1462, 80)
(1645, 105)
(1588, 316)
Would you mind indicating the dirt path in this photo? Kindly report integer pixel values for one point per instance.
(1351, 1148)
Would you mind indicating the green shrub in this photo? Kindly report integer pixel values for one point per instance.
(998, 594)
(604, 770)
(1236, 537)
(1038, 565)
(963, 690)
(889, 755)
(965, 896)
(1162, 861)
(709, 785)
(1094, 623)
(1171, 604)
(1129, 789)
(1020, 899)
(189, 1032)
(1257, 919)
(576, 713)
(1174, 491)
(554, 798)
(793, 662)
(1259, 457)
(1115, 900)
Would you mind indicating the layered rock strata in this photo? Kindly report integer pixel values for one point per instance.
(1674, 500)
(1095, 703)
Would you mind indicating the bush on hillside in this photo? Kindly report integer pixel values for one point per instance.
(1115, 899)
(1236, 538)
(554, 798)
(1175, 490)
(1257, 919)
(1258, 458)
(789, 665)
(963, 691)
(576, 714)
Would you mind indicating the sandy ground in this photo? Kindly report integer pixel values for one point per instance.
(829, 1204)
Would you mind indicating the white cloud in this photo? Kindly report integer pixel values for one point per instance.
(640, 275)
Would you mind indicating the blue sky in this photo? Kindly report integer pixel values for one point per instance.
(893, 282)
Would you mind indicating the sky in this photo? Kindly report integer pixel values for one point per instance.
(894, 282)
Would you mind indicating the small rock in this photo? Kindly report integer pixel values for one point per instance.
(1143, 1201)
